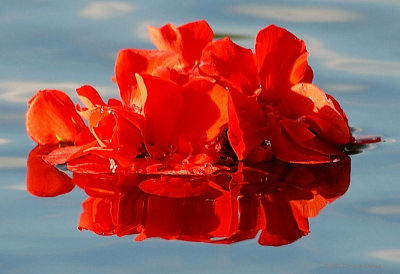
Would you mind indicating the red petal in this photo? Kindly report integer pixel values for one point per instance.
(187, 41)
(286, 148)
(245, 124)
(204, 111)
(228, 62)
(310, 101)
(301, 134)
(126, 141)
(281, 60)
(89, 96)
(51, 118)
(162, 109)
(62, 155)
(92, 164)
(131, 61)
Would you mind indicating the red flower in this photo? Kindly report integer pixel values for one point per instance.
(178, 54)
(183, 122)
(299, 121)
(191, 105)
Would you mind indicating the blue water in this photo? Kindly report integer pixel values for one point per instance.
(355, 54)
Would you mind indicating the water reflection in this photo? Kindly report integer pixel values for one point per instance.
(273, 200)
(105, 10)
(298, 14)
(22, 91)
(353, 65)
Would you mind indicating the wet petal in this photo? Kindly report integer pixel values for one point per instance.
(63, 154)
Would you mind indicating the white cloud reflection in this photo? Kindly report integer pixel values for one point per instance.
(343, 87)
(298, 14)
(4, 141)
(384, 210)
(391, 255)
(20, 187)
(105, 10)
(12, 162)
(22, 91)
(354, 65)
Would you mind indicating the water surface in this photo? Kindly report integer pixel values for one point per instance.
(355, 53)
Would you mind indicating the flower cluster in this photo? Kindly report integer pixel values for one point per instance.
(193, 106)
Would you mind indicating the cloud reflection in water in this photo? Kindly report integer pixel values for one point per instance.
(353, 65)
(275, 199)
(22, 91)
(105, 10)
(299, 14)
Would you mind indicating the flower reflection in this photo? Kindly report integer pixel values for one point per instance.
(274, 198)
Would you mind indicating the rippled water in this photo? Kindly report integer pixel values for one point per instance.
(355, 53)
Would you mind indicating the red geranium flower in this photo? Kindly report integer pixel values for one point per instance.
(272, 100)
(194, 103)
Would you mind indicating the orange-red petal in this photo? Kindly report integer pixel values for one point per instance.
(204, 111)
(231, 64)
(162, 110)
(132, 61)
(329, 120)
(51, 118)
(187, 41)
(246, 124)
(281, 60)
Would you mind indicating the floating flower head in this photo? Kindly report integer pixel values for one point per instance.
(194, 106)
